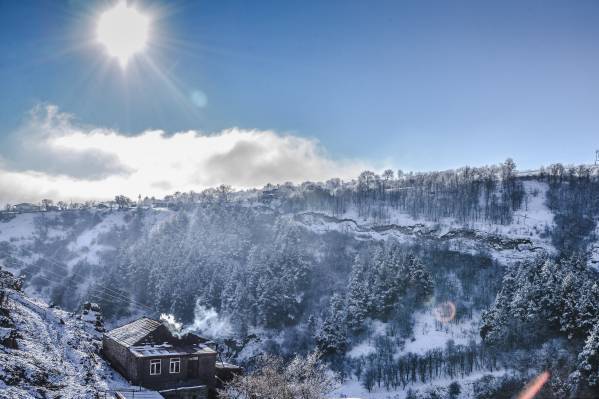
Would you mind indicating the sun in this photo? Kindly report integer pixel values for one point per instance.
(124, 31)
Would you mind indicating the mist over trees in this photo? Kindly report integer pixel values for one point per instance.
(293, 269)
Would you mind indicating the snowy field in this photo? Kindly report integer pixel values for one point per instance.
(353, 389)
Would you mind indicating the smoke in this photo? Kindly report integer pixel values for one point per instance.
(209, 323)
(173, 325)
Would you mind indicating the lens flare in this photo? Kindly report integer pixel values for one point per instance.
(534, 386)
(445, 312)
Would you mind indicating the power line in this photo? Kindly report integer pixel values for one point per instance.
(123, 298)
(118, 295)
(105, 296)
(123, 294)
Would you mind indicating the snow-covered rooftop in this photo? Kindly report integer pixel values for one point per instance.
(138, 395)
(133, 332)
(170, 350)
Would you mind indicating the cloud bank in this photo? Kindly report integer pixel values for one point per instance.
(51, 156)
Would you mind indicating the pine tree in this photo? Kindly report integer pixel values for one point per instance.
(588, 359)
(454, 390)
(421, 278)
(387, 282)
(358, 301)
(333, 336)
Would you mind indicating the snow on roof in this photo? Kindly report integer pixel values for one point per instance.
(131, 333)
(225, 365)
(179, 389)
(138, 395)
(169, 350)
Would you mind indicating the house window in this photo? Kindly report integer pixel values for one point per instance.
(154, 367)
(175, 365)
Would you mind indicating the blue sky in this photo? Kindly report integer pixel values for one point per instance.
(417, 85)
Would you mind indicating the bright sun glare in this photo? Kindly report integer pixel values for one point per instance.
(123, 31)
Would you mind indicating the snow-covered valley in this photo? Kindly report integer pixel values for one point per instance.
(365, 282)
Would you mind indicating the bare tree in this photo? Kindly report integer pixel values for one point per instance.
(301, 378)
(223, 191)
(122, 201)
(388, 175)
(46, 204)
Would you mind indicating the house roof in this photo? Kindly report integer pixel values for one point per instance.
(177, 388)
(138, 395)
(132, 333)
(227, 366)
(170, 350)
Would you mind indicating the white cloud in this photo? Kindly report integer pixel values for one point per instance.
(51, 156)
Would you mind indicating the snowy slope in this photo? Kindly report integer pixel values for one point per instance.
(67, 239)
(508, 243)
(57, 354)
(86, 244)
(18, 229)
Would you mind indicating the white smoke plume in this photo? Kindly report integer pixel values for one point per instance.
(171, 322)
(209, 323)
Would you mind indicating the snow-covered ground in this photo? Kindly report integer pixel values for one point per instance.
(594, 251)
(78, 236)
(86, 244)
(353, 389)
(57, 355)
(505, 243)
(19, 228)
(428, 333)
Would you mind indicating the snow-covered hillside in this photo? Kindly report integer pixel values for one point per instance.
(358, 271)
(84, 235)
(509, 242)
(47, 352)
